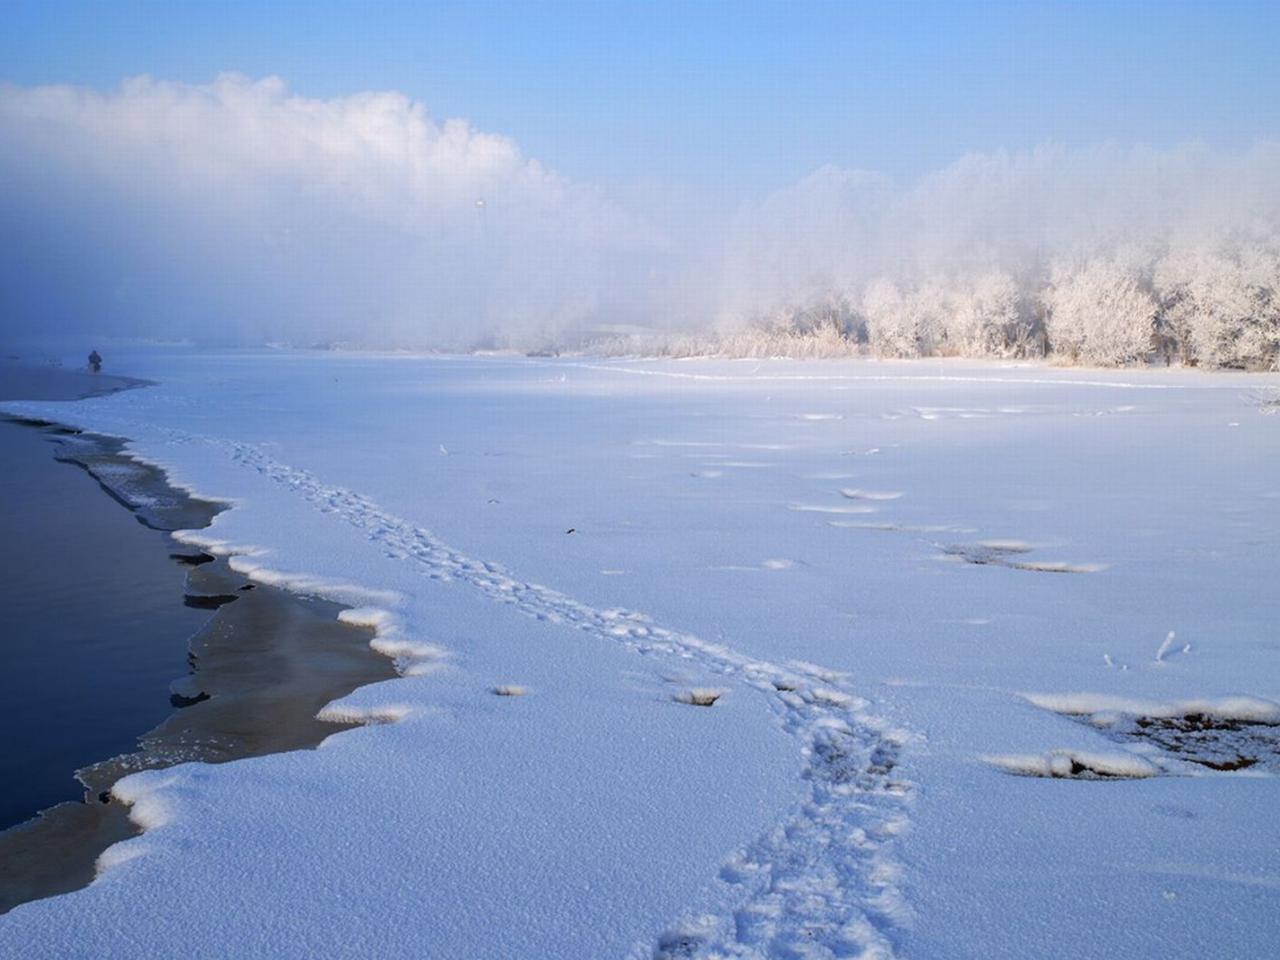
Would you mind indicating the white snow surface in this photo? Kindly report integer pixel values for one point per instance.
(848, 792)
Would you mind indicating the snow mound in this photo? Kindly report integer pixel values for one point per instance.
(1100, 707)
(700, 696)
(1076, 765)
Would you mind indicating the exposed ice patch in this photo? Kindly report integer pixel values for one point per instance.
(944, 413)
(899, 527)
(1007, 546)
(508, 690)
(682, 443)
(1058, 566)
(1179, 737)
(855, 494)
(1001, 553)
(824, 508)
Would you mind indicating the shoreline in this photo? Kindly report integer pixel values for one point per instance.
(262, 667)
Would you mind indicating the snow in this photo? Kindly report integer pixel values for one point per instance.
(847, 792)
(855, 494)
(1247, 709)
(1081, 764)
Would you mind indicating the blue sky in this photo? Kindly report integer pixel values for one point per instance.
(740, 97)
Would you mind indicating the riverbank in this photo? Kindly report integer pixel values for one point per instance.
(262, 667)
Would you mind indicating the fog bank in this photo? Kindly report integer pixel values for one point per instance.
(238, 212)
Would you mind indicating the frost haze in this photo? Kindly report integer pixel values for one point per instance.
(240, 212)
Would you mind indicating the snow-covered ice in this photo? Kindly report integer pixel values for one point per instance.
(742, 709)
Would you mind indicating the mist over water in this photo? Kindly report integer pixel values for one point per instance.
(237, 212)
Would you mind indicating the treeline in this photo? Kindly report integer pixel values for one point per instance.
(1210, 307)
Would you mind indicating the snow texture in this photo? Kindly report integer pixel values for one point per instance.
(643, 713)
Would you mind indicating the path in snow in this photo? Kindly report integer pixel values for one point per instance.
(822, 883)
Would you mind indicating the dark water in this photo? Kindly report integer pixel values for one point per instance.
(92, 624)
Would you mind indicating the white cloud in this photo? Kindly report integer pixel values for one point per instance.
(239, 210)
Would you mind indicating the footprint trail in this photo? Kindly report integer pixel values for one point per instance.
(821, 883)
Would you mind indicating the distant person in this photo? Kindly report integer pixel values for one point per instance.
(95, 362)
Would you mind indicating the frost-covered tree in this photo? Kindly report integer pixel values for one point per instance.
(825, 327)
(1178, 282)
(985, 318)
(830, 316)
(904, 324)
(890, 331)
(929, 308)
(1213, 304)
(1222, 306)
(1098, 312)
(1257, 339)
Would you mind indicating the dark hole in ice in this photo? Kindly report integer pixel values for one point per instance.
(179, 701)
(1085, 772)
(211, 602)
(191, 559)
(1212, 742)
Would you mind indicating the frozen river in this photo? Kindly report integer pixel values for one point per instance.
(932, 604)
(94, 629)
